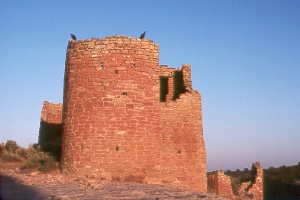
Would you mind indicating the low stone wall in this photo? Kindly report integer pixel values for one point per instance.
(221, 184)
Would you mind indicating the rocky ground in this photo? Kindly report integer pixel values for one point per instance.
(32, 185)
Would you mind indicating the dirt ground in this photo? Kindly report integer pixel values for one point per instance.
(34, 185)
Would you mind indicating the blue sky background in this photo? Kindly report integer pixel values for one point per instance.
(245, 57)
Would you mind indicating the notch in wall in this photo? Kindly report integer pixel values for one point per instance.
(117, 148)
(179, 152)
(164, 90)
(124, 93)
(116, 71)
(101, 64)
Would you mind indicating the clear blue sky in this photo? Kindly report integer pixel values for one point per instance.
(245, 57)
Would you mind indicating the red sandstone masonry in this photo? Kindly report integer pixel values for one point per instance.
(116, 127)
(52, 113)
(220, 184)
(254, 188)
(51, 129)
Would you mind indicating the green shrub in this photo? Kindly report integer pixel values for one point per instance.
(8, 152)
(32, 156)
(36, 158)
(7, 156)
(11, 146)
(22, 152)
(47, 163)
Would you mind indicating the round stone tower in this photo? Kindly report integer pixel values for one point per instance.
(111, 88)
(125, 118)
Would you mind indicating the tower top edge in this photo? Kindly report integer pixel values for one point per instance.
(114, 38)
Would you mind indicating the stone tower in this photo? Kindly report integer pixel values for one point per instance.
(126, 118)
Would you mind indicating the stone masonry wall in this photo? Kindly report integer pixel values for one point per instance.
(51, 129)
(220, 184)
(115, 124)
(254, 187)
(52, 113)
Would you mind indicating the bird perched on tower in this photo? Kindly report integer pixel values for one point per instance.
(143, 35)
(73, 37)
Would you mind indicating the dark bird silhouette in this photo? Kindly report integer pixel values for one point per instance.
(73, 37)
(143, 35)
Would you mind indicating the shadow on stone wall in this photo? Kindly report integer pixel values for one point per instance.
(179, 87)
(50, 138)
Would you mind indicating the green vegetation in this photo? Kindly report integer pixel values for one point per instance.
(279, 183)
(282, 182)
(31, 157)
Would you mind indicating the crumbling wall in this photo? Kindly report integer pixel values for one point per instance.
(219, 184)
(252, 188)
(51, 129)
(166, 83)
(183, 152)
(115, 124)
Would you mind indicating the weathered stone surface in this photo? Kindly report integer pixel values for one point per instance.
(48, 186)
(254, 187)
(52, 113)
(219, 184)
(127, 118)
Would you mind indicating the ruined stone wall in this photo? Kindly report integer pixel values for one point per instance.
(51, 113)
(166, 82)
(51, 129)
(115, 124)
(183, 155)
(184, 152)
(220, 184)
(254, 187)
